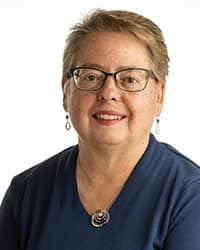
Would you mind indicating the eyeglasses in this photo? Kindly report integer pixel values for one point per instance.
(130, 79)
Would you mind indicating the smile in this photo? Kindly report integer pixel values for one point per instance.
(108, 117)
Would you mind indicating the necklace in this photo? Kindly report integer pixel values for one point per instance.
(100, 217)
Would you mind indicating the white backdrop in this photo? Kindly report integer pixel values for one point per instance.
(32, 34)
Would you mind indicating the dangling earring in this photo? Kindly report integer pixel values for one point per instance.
(157, 129)
(68, 124)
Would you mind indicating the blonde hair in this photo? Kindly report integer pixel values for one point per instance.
(124, 22)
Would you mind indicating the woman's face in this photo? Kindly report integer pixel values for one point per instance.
(111, 116)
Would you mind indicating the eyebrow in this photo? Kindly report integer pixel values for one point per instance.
(98, 66)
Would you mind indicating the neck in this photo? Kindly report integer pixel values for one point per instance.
(110, 161)
(101, 174)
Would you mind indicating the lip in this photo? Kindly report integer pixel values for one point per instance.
(108, 122)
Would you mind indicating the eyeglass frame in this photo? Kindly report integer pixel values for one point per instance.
(113, 74)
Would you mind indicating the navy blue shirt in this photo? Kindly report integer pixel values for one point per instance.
(158, 208)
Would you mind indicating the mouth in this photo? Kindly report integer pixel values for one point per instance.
(108, 117)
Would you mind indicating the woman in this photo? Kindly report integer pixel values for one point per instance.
(119, 188)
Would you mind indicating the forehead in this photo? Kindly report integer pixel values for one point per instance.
(112, 49)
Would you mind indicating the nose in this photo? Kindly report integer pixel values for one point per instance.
(109, 91)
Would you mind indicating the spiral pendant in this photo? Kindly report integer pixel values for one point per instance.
(100, 218)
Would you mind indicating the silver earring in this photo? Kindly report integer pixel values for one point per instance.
(157, 129)
(68, 124)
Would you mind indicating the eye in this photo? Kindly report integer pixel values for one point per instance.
(130, 80)
(130, 77)
(90, 77)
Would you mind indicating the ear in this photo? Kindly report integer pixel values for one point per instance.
(64, 85)
(64, 90)
(160, 97)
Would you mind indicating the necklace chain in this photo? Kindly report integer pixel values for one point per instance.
(99, 217)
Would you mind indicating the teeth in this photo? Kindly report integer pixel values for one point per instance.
(108, 117)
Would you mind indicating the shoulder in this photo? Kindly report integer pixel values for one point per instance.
(44, 172)
(183, 199)
(178, 173)
(176, 182)
(179, 161)
(167, 156)
(47, 166)
(172, 168)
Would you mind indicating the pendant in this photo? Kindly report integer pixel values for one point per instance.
(100, 218)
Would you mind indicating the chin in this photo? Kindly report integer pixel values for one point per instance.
(110, 140)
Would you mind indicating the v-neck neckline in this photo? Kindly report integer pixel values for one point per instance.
(121, 198)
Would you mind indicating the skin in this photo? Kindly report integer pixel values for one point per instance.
(110, 150)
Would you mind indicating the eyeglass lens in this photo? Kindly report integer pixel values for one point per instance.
(127, 79)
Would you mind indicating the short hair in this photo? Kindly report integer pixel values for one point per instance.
(121, 21)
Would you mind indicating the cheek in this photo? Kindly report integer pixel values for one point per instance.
(72, 99)
(150, 98)
(143, 107)
(142, 102)
(79, 105)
